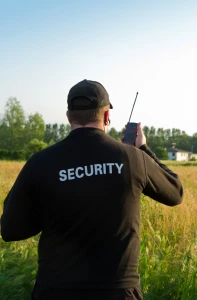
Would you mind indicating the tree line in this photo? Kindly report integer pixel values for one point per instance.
(159, 140)
(20, 136)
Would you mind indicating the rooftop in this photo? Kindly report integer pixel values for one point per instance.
(172, 149)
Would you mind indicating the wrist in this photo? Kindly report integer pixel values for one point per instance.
(143, 147)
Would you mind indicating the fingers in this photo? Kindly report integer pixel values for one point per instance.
(139, 127)
(141, 139)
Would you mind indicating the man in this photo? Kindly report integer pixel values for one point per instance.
(83, 195)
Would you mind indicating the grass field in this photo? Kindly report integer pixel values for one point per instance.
(168, 260)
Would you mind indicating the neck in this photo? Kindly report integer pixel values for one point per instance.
(92, 125)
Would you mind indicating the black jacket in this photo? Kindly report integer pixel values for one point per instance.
(83, 195)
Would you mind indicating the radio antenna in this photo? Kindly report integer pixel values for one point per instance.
(133, 106)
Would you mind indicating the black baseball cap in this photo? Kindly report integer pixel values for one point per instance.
(94, 92)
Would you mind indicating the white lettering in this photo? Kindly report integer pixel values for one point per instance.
(98, 169)
(63, 176)
(119, 168)
(86, 170)
(104, 168)
(71, 174)
(110, 167)
(77, 172)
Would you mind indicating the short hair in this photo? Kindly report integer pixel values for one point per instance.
(83, 117)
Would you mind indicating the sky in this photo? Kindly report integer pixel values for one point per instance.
(149, 47)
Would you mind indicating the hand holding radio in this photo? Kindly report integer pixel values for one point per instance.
(130, 133)
(139, 137)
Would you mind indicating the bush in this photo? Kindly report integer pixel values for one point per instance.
(12, 155)
(192, 159)
(161, 153)
(35, 146)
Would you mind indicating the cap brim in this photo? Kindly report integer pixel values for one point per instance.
(111, 106)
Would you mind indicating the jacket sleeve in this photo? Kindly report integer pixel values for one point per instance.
(20, 220)
(162, 184)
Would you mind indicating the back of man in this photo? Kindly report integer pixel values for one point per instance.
(89, 211)
(84, 196)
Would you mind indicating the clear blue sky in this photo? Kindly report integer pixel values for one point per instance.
(149, 47)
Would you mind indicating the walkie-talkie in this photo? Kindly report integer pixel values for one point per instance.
(131, 129)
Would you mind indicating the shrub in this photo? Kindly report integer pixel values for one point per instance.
(12, 155)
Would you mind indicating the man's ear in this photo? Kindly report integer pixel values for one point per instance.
(67, 114)
(106, 118)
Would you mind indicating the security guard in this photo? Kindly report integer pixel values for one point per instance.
(83, 195)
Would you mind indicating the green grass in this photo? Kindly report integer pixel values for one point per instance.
(18, 264)
(180, 163)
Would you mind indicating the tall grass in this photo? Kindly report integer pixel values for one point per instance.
(18, 264)
(168, 262)
(168, 258)
(18, 260)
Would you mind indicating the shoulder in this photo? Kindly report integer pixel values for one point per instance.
(50, 150)
(130, 151)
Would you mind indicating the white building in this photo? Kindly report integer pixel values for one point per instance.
(178, 154)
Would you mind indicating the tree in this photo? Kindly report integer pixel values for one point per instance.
(48, 134)
(193, 143)
(151, 138)
(4, 135)
(114, 134)
(64, 131)
(146, 131)
(12, 126)
(51, 133)
(54, 133)
(184, 141)
(35, 145)
(34, 127)
(167, 134)
(161, 153)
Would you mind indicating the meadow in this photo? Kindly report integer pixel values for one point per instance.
(168, 258)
